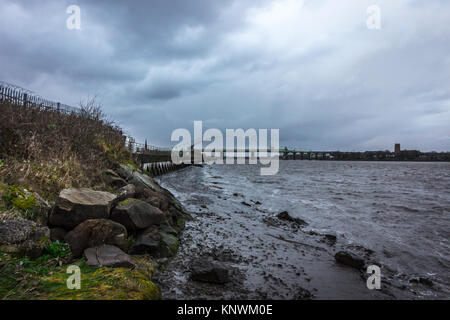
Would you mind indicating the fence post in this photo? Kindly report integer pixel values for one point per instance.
(25, 98)
(58, 106)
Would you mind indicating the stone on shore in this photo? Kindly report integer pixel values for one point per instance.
(207, 270)
(303, 294)
(107, 256)
(156, 199)
(330, 238)
(349, 259)
(143, 181)
(168, 229)
(113, 179)
(96, 232)
(168, 245)
(155, 242)
(136, 215)
(125, 172)
(287, 217)
(75, 206)
(125, 193)
(147, 242)
(23, 237)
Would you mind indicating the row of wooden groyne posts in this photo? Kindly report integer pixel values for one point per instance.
(155, 169)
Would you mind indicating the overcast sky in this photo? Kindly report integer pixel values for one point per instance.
(309, 68)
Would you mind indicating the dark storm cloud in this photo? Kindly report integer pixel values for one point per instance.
(313, 70)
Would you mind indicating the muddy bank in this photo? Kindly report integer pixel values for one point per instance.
(267, 255)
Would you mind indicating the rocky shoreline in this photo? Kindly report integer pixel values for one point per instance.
(239, 246)
(136, 220)
(232, 248)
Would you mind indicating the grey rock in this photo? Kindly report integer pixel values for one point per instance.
(136, 215)
(143, 181)
(168, 229)
(74, 206)
(23, 237)
(96, 232)
(147, 241)
(155, 242)
(113, 179)
(207, 270)
(287, 217)
(349, 259)
(125, 193)
(421, 280)
(303, 294)
(330, 238)
(168, 245)
(107, 256)
(125, 172)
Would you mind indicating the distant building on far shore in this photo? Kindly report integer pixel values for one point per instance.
(397, 149)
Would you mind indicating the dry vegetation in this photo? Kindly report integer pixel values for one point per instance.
(47, 150)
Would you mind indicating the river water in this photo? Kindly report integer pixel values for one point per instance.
(396, 215)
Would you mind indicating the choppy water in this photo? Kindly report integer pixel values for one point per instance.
(401, 211)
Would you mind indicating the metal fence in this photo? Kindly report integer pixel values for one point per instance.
(23, 97)
(20, 96)
(142, 148)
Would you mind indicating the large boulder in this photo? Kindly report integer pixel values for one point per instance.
(107, 256)
(143, 181)
(96, 232)
(156, 199)
(125, 193)
(147, 242)
(155, 242)
(23, 237)
(349, 259)
(136, 215)
(74, 206)
(207, 270)
(113, 179)
(125, 172)
(168, 245)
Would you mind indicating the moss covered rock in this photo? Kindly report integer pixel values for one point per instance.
(169, 245)
(23, 237)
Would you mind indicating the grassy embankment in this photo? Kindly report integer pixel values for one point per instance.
(41, 153)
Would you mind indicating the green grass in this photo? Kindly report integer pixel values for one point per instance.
(16, 196)
(46, 279)
(58, 249)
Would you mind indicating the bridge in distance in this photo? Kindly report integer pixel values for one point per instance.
(151, 155)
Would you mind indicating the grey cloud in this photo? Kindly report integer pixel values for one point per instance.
(316, 73)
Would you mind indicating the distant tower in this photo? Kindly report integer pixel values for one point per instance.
(397, 148)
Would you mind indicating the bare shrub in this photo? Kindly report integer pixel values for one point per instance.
(50, 150)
